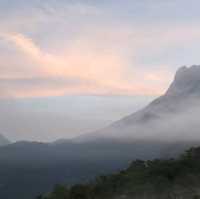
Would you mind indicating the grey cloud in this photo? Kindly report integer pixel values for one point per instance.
(10, 86)
(48, 119)
(39, 82)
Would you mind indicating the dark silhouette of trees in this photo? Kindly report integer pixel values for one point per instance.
(157, 179)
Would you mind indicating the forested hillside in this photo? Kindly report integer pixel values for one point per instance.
(156, 179)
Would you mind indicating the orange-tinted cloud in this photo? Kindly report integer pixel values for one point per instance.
(100, 63)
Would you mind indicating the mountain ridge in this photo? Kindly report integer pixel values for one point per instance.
(180, 100)
(165, 128)
(186, 82)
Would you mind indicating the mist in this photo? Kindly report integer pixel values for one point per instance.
(51, 118)
(173, 117)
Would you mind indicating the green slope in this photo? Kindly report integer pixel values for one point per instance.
(157, 179)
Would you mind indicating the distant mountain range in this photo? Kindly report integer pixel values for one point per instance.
(3, 140)
(164, 128)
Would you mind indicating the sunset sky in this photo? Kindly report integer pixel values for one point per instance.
(51, 48)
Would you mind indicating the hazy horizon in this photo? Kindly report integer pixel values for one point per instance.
(99, 99)
(71, 67)
(51, 118)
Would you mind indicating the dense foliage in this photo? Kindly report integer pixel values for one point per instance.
(156, 179)
(30, 168)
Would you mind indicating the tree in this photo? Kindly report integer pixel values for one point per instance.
(39, 197)
(80, 192)
(60, 192)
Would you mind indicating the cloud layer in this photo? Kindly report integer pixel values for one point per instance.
(81, 48)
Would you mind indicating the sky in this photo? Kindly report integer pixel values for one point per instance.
(116, 50)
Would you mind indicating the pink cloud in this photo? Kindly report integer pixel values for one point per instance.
(103, 57)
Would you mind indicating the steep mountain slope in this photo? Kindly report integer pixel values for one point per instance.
(165, 128)
(155, 179)
(4, 140)
(169, 117)
(30, 168)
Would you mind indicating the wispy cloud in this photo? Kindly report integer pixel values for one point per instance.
(84, 43)
(100, 62)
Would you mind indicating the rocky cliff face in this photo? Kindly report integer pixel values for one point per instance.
(186, 82)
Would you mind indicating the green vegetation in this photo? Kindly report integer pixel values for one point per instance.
(157, 179)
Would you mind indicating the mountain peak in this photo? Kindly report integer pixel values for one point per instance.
(186, 82)
(176, 112)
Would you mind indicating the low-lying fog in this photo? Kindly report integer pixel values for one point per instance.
(48, 119)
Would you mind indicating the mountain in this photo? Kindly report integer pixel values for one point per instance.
(173, 116)
(4, 140)
(163, 129)
(30, 168)
(152, 179)
(186, 82)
